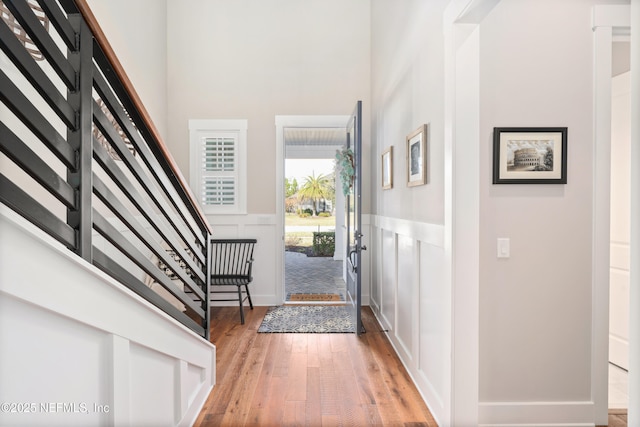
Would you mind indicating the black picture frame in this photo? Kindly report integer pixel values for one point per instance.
(530, 155)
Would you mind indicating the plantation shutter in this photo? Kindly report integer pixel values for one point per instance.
(218, 165)
(219, 173)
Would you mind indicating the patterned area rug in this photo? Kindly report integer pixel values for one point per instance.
(314, 297)
(307, 319)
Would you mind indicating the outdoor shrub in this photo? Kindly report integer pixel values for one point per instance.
(308, 211)
(292, 240)
(324, 243)
(324, 214)
(305, 215)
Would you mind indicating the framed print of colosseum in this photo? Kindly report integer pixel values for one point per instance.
(416, 157)
(530, 155)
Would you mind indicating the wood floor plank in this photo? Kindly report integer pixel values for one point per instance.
(359, 366)
(313, 416)
(299, 343)
(329, 381)
(260, 397)
(294, 413)
(283, 352)
(307, 379)
(339, 342)
(372, 414)
(617, 419)
(239, 406)
(273, 413)
(350, 400)
(312, 351)
(297, 377)
(331, 421)
(405, 397)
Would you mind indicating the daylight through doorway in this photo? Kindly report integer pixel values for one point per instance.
(313, 268)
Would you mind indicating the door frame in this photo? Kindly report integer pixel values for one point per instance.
(462, 19)
(354, 143)
(608, 22)
(282, 122)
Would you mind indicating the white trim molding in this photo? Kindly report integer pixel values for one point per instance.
(462, 210)
(607, 20)
(634, 328)
(536, 414)
(282, 122)
(236, 130)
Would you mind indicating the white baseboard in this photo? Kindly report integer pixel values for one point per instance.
(546, 414)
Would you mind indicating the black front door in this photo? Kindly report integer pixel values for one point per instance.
(353, 211)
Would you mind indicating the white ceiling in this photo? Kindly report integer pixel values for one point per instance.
(313, 143)
(299, 136)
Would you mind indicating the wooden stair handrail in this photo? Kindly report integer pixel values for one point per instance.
(100, 37)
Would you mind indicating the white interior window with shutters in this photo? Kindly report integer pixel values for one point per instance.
(218, 165)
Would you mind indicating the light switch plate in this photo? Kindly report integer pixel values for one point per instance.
(504, 251)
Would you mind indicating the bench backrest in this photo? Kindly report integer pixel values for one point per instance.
(232, 257)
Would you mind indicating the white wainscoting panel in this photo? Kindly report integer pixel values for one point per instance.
(268, 255)
(433, 344)
(153, 370)
(375, 289)
(80, 349)
(388, 260)
(407, 293)
(408, 297)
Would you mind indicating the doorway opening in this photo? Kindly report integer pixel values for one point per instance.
(620, 232)
(313, 216)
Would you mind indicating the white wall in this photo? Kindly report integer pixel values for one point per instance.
(408, 291)
(255, 60)
(83, 350)
(536, 307)
(137, 32)
(407, 91)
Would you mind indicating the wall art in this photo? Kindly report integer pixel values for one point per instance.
(523, 155)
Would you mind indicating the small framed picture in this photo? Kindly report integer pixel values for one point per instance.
(416, 157)
(387, 168)
(530, 155)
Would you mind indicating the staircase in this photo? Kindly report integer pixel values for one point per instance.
(104, 252)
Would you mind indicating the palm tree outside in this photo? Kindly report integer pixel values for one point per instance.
(300, 221)
(315, 189)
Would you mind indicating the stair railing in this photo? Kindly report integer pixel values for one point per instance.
(85, 163)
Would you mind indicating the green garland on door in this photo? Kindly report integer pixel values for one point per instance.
(346, 167)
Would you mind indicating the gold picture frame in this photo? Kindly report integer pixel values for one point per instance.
(416, 157)
(387, 168)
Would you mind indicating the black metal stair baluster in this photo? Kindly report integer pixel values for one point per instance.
(80, 139)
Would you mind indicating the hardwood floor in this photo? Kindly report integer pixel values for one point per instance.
(307, 379)
(617, 418)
